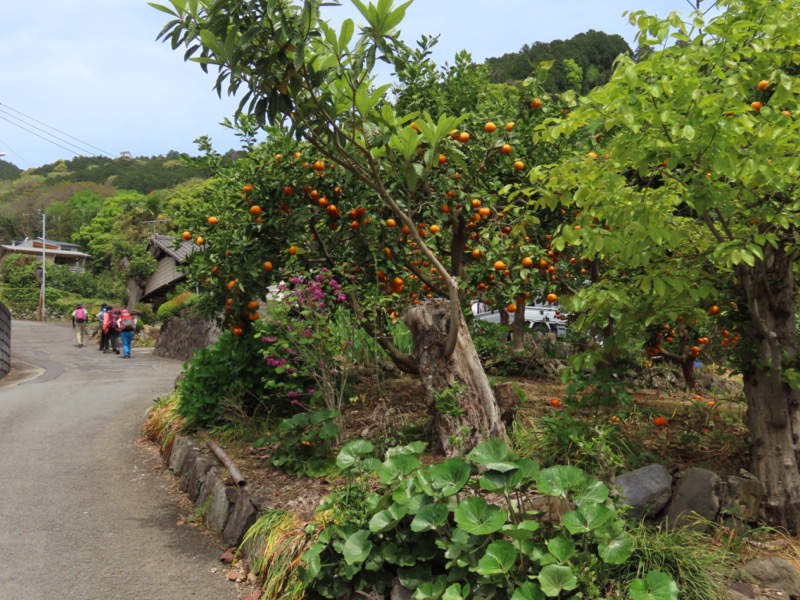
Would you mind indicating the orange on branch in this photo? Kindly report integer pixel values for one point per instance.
(212, 220)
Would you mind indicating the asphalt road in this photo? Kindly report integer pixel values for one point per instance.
(85, 513)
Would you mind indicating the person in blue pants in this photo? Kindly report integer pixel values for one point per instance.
(127, 326)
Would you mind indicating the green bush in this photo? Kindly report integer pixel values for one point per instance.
(229, 372)
(172, 307)
(145, 311)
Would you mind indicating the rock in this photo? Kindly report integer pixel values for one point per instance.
(646, 490)
(774, 572)
(180, 449)
(181, 337)
(741, 498)
(213, 476)
(220, 508)
(243, 515)
(741, 591)
(193, 476)
(697, 495)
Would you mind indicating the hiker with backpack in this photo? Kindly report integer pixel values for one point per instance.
(101, 317)
(79, 318)
(127, 327)
(113, 329)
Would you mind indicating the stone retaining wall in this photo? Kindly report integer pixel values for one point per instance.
(5, 340)
(182, 336)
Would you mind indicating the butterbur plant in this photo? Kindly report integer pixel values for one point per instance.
(490, 525)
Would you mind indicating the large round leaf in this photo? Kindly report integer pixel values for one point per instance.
(657, 586)
(357, 547)
(499, 558)
(352, 451)
(561, 548)
(430, 518)
(555, 579)
(589, 517)
(397, 467)
(528, 591)
(475, 516)
(616, 550)
(560, 480)
(493, 454)
(450, 476)
(388, 519)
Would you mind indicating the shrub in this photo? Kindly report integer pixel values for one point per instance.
(145, 313)
(172, 307)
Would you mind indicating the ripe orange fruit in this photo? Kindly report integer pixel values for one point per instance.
(292, 250)
(414, 126)
(511, 308)
(535, 103)
(255, 210)
(247, 188)
(592, 155)
(463, 137)
(212, 220)
(519, 165)
(288, 190)
(484, 211)
(552, 298)
(490, 127)
(391, 223)
(442, 159)
(267, 265)
(763, 85)
(509, 126)
(506, 149)
(434, 229)
(660, 421)
(476, 203)
(199, 240)
(296, 155)
(186, 235)
(252, 305)
(757, 105)
(319, 165)
(695, 350)
(555, 402)
(278, 156)
(527, 262)
(499, 265)
(231, 283)
(476, 253)
(714, 310)
(445, 208)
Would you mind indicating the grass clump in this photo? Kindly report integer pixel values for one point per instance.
(163, 422)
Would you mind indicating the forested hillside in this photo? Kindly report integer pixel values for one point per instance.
(579, 63)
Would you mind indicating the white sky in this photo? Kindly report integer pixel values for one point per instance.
(93, 70)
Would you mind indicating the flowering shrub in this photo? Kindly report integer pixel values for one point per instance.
(299, 345)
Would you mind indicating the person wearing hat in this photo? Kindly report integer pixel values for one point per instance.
(79, 318)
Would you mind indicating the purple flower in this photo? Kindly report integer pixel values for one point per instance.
(295, 403)
(293, 394)
(269, 339)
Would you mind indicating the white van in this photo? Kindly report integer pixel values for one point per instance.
(540, 317)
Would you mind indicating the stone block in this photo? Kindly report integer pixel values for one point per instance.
(741, 497)
(243, 515)
(220, 508)
(697, 496)
(194, 475)
(180, 449)
(213, 476)
(774, 572)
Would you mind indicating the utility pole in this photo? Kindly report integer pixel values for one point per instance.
(44, 269)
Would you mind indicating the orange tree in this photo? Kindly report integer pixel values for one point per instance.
(693, 178)
(394, 203)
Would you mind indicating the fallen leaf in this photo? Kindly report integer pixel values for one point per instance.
(181, 522)
(232, 575)
(227, 556)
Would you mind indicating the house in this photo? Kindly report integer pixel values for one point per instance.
(59, 253)
(167, 275)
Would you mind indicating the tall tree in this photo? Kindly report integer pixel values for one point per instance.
(689, 190)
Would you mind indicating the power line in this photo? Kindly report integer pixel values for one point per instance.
(5, 145)
(47, 133)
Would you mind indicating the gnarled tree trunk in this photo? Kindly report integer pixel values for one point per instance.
(461, 403)
(769, 346)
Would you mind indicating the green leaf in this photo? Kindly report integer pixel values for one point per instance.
(656, 586)
(430, 518)
(555, 579)
(499, 558)
(450, 476)
(561, 548)
(431, 590)
(357, 547)
(475, 516)
(528, 591)
(521, 531)
(457, 592)
(560, 480)
(397, 467)
(617, 550)
(387, 519)
(352, 452)
(493, 454)
(328, 431)
(587, 518)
